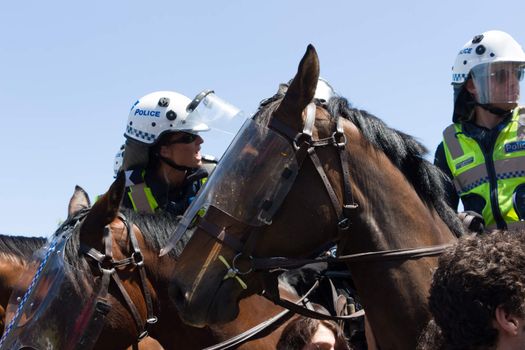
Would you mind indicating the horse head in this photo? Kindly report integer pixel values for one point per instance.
(97, 281)
(201, 292)
(304, 174)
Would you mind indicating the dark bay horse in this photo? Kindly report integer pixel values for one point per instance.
(120, 329)
(301, 175)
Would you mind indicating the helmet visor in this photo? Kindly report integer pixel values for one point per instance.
(498, 83)
(220, 119)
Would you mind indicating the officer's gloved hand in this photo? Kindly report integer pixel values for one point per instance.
(472, 221)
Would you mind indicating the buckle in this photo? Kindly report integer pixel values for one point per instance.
(143, 335)
(152, 320)
(102, 307)
(344, 224)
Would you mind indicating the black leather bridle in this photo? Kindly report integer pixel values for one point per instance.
(304, 147)
(107, 266)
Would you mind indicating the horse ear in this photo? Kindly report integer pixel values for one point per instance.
(302, 88)
(79, 200)
(103, 212)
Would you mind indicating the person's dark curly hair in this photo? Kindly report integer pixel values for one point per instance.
(472, 279)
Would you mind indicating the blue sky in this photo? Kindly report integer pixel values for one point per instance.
(71, 70)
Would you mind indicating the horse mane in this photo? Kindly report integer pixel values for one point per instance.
(403, 150)
(157, 228)
(19, 247)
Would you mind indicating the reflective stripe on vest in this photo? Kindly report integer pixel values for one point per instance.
(142, 199)
(466, 162)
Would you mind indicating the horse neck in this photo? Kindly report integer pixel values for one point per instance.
(391, 216)
(169, 330)
(391, 212)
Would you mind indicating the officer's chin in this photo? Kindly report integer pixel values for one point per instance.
(507, 106)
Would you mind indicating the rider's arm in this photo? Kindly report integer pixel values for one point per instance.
(440, 161)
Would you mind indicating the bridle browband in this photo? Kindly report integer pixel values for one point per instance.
(305, 146)
(107, 266)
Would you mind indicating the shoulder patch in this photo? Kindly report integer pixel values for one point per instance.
(464, 163)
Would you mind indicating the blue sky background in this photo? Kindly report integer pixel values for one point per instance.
(71, 70)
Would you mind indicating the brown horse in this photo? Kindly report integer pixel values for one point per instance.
(120, 329)
(16, 254)
(298, 171)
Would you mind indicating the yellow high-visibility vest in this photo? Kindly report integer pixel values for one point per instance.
(472, 173)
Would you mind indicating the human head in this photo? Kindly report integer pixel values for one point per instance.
(487, 72)
(303, 333)
(151, 121)
(477, 281)
(177, 150)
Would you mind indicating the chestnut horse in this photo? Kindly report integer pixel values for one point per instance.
(120, 329)
(303, 173)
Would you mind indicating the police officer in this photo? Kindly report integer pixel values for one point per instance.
(483, 151)
(162, 156)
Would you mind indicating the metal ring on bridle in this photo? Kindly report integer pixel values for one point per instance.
(137, 258)
(239, 272)
(339, 139)
(109, 268)
(297, 140)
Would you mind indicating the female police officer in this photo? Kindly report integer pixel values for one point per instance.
(483, 152)
(162, 159)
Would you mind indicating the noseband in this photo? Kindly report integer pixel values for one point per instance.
(108, 268)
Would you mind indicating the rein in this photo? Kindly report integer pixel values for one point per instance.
(107, 266)
(268, 326)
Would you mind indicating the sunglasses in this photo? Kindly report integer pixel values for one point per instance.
(184, 138)
(503, 75)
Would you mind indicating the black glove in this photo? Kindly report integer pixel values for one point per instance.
(472, 221)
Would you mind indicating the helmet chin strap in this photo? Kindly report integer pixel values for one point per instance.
(173, 164)
(494, 110)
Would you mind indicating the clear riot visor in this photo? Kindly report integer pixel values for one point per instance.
(222, 119)
(498, 82)
(52, 306)
(251, 181)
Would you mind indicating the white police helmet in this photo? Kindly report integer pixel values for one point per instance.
(160, 112)
(165, 111)
(481, 58)
(324, 91)
(491, 46)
